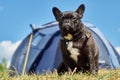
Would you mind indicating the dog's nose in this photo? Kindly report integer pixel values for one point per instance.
(67, 22)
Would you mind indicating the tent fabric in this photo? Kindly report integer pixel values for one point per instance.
(45, 52)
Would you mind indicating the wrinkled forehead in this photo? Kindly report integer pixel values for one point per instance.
(70, 14)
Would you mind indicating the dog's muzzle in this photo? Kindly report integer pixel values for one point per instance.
(67, 24)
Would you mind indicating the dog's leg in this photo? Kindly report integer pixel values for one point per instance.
(96, 56)
(91, 62)
(62, 68)
(96, 62)
(92, 65)
(93, 56)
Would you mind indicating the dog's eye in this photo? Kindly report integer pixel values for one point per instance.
(62, 17)
(73, 19)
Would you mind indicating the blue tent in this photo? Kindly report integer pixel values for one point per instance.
(45, 54)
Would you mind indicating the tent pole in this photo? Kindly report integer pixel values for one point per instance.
(27, 53)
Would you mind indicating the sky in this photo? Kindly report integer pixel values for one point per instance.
(17, 15)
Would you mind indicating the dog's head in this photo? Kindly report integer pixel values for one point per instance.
(69, 20)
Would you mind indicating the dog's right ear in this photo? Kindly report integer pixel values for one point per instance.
(81, 10)
(57, 13)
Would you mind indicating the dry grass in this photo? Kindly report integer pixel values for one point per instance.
(102, 75)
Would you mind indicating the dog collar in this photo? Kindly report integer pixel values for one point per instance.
(69, 37)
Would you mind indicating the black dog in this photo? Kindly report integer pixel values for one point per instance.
(77, 45)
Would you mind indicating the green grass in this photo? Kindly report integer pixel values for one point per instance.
(102, 75)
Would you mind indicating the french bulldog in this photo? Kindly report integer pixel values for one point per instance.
(77, 44)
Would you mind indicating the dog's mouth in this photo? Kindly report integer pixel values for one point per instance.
(67, 33)
(68, 29)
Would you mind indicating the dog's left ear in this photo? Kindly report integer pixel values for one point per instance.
(57, 13)
(81, 10)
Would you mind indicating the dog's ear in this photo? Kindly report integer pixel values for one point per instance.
(57, 13)
(81, 10)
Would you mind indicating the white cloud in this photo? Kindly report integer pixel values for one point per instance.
(7, 49)
(118, 49)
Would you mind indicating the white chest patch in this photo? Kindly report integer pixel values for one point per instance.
(74, 51)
